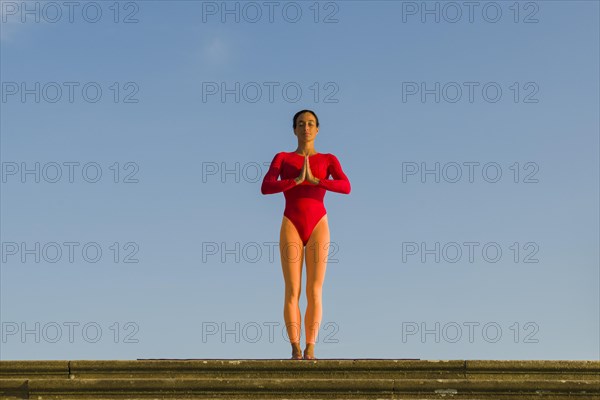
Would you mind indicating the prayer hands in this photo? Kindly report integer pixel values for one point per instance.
(306, 174)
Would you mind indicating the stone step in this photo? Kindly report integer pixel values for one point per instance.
(296, 379)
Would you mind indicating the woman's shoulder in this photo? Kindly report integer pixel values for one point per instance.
(331, 156)
(285, 154)
(282, 154)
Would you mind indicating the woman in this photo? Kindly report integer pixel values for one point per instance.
(304, 229)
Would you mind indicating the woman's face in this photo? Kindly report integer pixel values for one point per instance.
(306, 127)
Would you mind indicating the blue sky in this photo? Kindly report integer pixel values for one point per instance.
(156, 156)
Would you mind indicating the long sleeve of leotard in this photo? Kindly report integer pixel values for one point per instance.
(340, 182)
(270, 183)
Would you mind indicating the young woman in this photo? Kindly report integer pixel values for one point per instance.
(304, 228)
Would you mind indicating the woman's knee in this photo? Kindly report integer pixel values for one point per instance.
(314, 293)
(292, 295)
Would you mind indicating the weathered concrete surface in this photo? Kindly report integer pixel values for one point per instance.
(297, 379)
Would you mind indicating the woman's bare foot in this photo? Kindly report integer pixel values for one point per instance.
(309, 352)
(296, 351)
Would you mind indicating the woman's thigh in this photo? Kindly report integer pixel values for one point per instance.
(317, 249)
(291, 251)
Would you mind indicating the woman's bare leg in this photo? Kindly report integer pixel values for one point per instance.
(317, 250)
(291, 250)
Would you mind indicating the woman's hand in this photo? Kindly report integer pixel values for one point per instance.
(302, 175)
(309, 176)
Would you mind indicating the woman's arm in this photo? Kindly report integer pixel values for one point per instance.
(340, 182)
(270, 183)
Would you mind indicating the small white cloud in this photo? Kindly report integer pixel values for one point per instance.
(6, 28)
(216, 51)
(11, 25)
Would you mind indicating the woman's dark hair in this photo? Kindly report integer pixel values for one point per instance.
(302, 112)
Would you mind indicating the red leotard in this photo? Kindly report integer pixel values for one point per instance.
(304, 202)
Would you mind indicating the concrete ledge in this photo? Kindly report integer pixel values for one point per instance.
(30, 369)
(275, 368)
(278, 379)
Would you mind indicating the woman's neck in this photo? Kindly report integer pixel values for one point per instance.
(306, 151)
